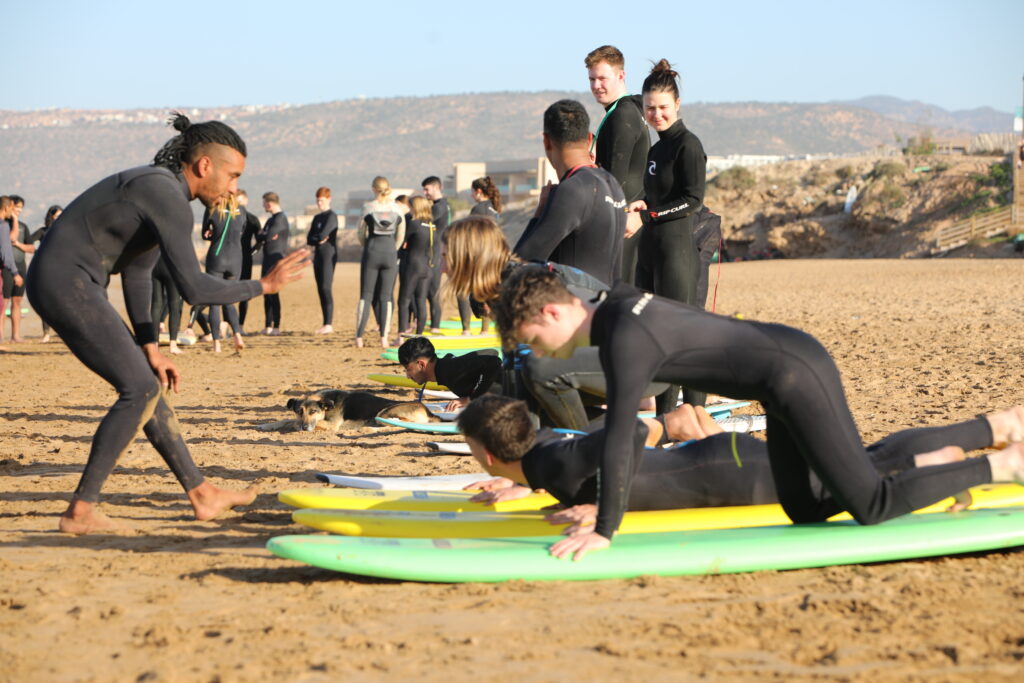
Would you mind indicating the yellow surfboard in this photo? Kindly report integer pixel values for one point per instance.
(434, 501)
(470, 522)
(467, 341)
(403, 381)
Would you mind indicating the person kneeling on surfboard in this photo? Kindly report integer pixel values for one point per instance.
(642, 338)
(467, 376)
(711, 468)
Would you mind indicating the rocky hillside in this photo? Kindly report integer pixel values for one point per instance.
(50, 156)
(796, 209)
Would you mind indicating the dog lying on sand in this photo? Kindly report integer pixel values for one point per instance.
(331, 409)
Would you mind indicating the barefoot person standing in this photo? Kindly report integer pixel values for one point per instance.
(121, 225)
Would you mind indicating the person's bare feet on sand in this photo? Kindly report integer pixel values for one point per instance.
(18, 340)
(45, 339)
(172, 347)
(324, 329)
(1007, 426)
(239, 342)
(208, 501)
(216, 345)
(359, 342)
(83, 518)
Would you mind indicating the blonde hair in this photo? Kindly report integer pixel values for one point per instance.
(226, 205)
(421, 209)
(381, 187)
(477, 252)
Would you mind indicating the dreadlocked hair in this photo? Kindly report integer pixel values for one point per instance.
(192, 138)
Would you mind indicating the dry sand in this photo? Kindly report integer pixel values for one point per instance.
(918, 343)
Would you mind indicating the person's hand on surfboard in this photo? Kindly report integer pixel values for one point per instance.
(579, 516)
(579, 545)
(514, 492)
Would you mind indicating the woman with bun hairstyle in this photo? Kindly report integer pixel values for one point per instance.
(487, 197)
(667, 260)
(381, 232)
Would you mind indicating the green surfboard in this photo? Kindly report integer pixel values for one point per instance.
(392, 353)
(722, 551)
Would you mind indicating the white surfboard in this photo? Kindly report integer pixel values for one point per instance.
(744, 423)
(449, 447)
(444, 482)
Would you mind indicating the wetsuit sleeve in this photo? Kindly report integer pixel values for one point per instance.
(315, 233)
(6, 251)
(400, 231)
(252, 228)
(170, 219)
(330, 225)
(690, 165)
(561, 216)
(628, 373)
(137, 287)
(363, 230)
(617, 142)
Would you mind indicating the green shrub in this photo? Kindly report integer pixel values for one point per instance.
(736, 178)
(891, 196)
(889, 169)
(817, 176)
(844, 172)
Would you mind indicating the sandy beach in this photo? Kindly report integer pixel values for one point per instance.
(919, 342)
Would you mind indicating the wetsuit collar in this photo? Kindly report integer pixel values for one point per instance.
(180, 177)
(571, 171)
(673, 131)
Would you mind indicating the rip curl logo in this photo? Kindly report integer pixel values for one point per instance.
(640, 305)
(653, 167)
(617, 205)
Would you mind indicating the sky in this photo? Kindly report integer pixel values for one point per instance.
(113, 54)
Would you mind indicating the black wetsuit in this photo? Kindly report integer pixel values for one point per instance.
(582, 225)
(643, 338)
(384, 228)
(250, 245)
(415, 274)
(707, 237)
(274, 236)
(166, 299)
(442, 215)
(116, 226)
(470, 375)
(7, 262)
(324, 229)
(224, 260)
(720, 470)
(667, 257)
(20, 263)
(485, 208)
(621, 146)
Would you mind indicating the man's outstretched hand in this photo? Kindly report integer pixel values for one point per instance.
(288, 269)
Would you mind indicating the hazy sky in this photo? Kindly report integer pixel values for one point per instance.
(120, 54)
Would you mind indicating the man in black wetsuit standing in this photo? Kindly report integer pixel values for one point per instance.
(621, 142)
(581, 221)
(121, 225)
(442, 215)
(274, 236)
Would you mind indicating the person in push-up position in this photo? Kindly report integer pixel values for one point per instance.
(642, 338)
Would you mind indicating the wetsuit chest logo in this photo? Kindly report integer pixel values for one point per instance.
(640, 305)
(652, 167)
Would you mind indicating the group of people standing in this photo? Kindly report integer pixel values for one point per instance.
(16, 242)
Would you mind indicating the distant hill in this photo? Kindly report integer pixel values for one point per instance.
(980, 120)
(50, 156)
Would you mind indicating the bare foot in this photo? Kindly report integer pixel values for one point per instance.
(961, 501)
(216, 345)
(172, 347)
(385, 343)
(239, 342)
(206, 337)
(1008, 464)
(1007, 426)
(939, 457)
(45, 339)
(18, 340)
(83, 518)
(324, 329)
(359, 342)
(208, 501)
(435, 330)
(686, 423)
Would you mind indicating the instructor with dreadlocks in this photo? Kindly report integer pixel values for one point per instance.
(121, 225)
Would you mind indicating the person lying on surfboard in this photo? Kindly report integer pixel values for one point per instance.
(710, 468)
(467, 376)
(643, 338)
